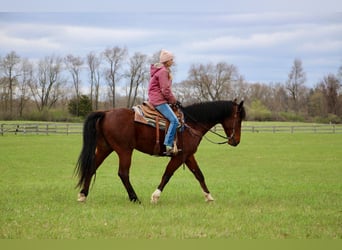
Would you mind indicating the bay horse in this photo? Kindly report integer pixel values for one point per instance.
(116, 130)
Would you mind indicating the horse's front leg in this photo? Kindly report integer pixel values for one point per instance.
(171, 167)
(192, 164)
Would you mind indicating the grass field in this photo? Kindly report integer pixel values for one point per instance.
(272, 186)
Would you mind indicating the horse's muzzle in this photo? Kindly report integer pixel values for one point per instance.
(233, 142)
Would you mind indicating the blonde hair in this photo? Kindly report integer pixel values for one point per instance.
(169, 69)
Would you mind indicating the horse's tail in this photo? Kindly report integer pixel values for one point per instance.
(86, 162)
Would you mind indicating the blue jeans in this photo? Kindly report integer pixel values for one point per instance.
(166, 110)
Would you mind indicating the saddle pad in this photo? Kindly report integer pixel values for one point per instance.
(140, 117)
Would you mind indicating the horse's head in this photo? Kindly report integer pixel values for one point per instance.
(232, 124)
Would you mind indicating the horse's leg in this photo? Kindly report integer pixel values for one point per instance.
(100, 155)
(172, 166)
(194, 168)
(124, 166)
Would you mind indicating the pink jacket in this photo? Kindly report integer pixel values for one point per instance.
(159, 89)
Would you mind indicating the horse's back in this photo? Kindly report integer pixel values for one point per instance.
(123, 134)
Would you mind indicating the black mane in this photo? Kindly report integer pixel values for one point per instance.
(208, 112)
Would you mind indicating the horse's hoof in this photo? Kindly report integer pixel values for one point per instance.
(155, 196)
(135, 200)
(208, 197)
(81, 197)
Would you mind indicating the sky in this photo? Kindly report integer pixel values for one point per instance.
(261, 38)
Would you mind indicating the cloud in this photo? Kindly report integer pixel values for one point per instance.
(97, 34)
(9, 42)
(256, 42)
(297, 38)
(175, 5)
(50, 37)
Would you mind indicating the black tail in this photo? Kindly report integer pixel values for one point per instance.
(86, 162)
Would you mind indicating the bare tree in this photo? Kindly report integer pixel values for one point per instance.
(295, 83)
(10, 67)
(259, 91)
(137, 75)
(94, 63)
(24, 81)
(213, 82)
(115, 57)
(330, 87)
(317, 106)
(279, 98)
(74, 66)
(339, 74)
(47, 89)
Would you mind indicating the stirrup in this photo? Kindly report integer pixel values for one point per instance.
(172, 151)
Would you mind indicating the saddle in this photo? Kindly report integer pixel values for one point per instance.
(147, 114)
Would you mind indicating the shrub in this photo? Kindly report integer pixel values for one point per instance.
(80, 107)
(259, 112)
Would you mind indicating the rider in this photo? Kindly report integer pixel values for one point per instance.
(160, 96)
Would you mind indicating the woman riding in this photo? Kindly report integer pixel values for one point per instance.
(160, 96)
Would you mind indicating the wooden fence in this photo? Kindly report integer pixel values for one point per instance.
(77, 128)
(42, 128)
(328, 128)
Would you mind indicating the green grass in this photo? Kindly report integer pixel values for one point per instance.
(272, 186)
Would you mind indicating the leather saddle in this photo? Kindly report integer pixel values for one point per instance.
(146, 113)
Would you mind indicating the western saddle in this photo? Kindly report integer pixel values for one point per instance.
(145, 113)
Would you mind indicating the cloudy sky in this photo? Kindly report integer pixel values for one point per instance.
(262, 38)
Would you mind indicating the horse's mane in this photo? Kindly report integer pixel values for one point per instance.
(209, 112)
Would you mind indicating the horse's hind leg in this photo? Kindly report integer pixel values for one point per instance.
(100, 155)
(124, 166)
(194, 168)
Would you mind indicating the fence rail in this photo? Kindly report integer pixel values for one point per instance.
(329, 128)
(42, 128)
(77, 128)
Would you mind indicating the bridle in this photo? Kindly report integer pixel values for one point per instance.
(232, 135)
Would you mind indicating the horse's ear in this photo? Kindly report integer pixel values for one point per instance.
(241, 104)
(235, 100)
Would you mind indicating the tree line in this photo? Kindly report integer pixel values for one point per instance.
(62, 88)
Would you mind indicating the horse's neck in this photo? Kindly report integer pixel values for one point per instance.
(202, 128)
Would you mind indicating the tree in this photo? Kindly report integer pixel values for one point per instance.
(74, 65)
(330, 87)
(80, 107)
(317, 103)
(137, 75)
(115, 57)
(339, 74)
(25, 79)
(212, 82)
(279, 99)
(295, 82)
(10, 66)
(47, 89)
(94, 63)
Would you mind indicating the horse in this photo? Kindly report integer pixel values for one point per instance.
(116, 130)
